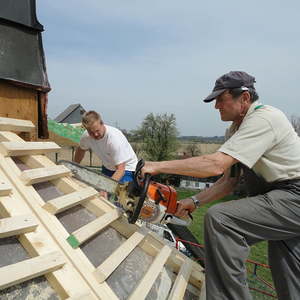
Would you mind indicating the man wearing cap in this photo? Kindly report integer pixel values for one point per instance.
(261, 145)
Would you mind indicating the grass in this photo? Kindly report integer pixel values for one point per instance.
(258, 252)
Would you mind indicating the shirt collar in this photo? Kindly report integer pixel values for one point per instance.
(233, 128)
(251, 109)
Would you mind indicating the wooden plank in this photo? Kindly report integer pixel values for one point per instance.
(114, 260)
(7, 136)
(67, 201)
(89, 230)
(151, 275)
(17, 225)
(5, 188)
(19, 103)
(182, 280)
(203, 291)
(30, 268)
(16, 125)
(27, 148)
(44, 174)
(83, 297)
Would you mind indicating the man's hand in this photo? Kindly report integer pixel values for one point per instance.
(103, 194)
(79, 154)
(120, 171)
(184, 207)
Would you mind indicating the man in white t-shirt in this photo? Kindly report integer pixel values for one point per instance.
(110, 145)
(262, 144)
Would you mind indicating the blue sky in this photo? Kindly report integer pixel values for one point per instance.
(126, 59)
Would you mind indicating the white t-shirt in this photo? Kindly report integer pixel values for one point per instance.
(112, 149)
(266, 142)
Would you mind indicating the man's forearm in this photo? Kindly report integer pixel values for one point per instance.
(79, 154)
(200, 166)
(119, 173)
(217, 191)
(213, 193)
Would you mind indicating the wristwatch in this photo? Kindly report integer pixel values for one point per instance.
(196, 201)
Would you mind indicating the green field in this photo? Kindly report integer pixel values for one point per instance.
(258, 252)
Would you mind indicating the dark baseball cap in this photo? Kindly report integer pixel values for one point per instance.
(231, 80)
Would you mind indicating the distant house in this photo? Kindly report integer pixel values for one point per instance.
(189, 182)
(72, 114)
(194, 183)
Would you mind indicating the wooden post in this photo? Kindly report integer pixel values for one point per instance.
(73, 151)
(91, 158)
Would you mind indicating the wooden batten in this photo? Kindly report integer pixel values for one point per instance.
(29, 148)
(65, 202)
(86, 296)
(182, 280)
(151, 275)
(5, 188)
(17, 225)
(16, 125)
(119, 255)
(203, 291)
(30, 268)
(44, 174)
(89, 230)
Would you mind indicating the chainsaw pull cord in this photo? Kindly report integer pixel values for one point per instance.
(190, 215)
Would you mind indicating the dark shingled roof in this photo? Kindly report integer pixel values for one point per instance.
(20, 12)
(62, 116)
(22, 58)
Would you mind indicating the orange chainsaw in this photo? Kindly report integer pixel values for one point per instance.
(140, 199)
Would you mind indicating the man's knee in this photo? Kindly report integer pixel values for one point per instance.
(214, 214)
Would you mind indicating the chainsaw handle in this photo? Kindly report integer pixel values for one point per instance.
(187, 210)
(137, 177)
(143, 194)
(141, 186)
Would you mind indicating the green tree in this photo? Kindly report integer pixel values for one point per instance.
(193, 149)
(158, 134)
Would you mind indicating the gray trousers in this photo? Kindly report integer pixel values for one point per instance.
(232, 227)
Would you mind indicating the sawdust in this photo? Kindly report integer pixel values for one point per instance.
(37, 288)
